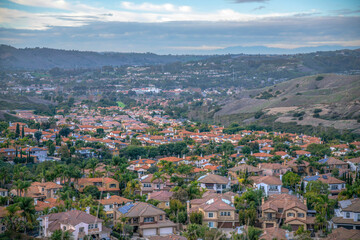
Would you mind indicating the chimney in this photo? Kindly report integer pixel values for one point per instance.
(46, 225)
(317, 173)
(188, 206)
(87, 210)
(262, 201)
(35, 202)
(305, 202)
(232, 199)
(281, 177)
(108, 196)
(184, 156)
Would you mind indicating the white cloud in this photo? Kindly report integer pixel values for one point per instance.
(149, 7)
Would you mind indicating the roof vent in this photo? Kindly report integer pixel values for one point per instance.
(210, 201)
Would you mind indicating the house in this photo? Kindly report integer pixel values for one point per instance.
(343, 234)
(285, 209)
(148, 185)
(40, 153)
(262, 156)
(146, 219)
(300, 167)
(335, 185)
(273, 169)
(300, 153)
(282, 154)
(80, 224)
(218, 210)
(332, 163)
(274, 233)
(163, 197)
(49, 203)
(112, 202)
(268, 184)
(214, 182)
(4, 192)
(7, 154)
(106, 185)
(40, 191)
(236, 171)
(354, 164)
(348, 215)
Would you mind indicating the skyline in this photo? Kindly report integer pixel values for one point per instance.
(179, 27)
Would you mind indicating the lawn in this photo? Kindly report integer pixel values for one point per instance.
(120, 104)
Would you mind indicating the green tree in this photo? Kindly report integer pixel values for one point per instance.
(290, 180)
(61, 235)
(196, 218)
(37, 136)
(92, 190)
(92, 164)
(195, 231)
(17, 131)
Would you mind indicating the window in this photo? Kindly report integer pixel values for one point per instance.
(81, 229)
(280, 210)
(96, 225)
(291, 215)
(110, 215)
(82, 186)
(112, 185)
(301, 215)
(64, 228)
(347, 215)
(148, 219)
(111, 206)
(334, 187)
(91, 226)
(358, 217)
(147, 185)
(224, 213)
(167, 204)
(160, 217)
(210, 215)
(211, 224)
(273, 188)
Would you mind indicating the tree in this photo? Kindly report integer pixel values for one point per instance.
(65, 132)
(37, 136)
(290, 180)
(26, 204)
(12, 217)
(17, 131)
(23, 132)
(92, 164)
(196, 218)
(64, 152)
(61, 235)
(93, 191)
(158, 176)
(195, 231)
(251, 233)
(131, 187)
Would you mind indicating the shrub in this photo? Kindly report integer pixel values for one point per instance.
(319, 78)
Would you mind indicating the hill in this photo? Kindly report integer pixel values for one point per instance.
(326, 100)
(46, 58)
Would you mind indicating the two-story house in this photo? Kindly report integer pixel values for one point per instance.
(285, 209)
(106, 185)
(163, 197)
(273, 169)
(40, 191)
(146, 219)
(148, 184)
(81, 224)
(239, 170)
(268, 184)
(300, 167)
(348, 215)
(335, 185)
(217, 209)
(214, 182)
(112, 202)
(40, 153)
(4, 192)
(332, 163)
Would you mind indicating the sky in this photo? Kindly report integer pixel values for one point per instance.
(179, 26)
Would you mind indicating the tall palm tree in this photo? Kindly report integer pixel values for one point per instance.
(61, 235)
(92, 164)
(132, 186)
(11, 217)
(26, 204)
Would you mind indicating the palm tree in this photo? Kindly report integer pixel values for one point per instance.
(61, 235)
(158, 176)
(92, 164)
(132, 186)
(26, 204)
(21, 186)
(11, 217)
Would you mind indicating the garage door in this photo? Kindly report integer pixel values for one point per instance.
(149, 232)
(166, 231)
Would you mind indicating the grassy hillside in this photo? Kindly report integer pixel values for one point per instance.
(327, 100)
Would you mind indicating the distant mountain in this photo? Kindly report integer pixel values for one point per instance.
(270, 50)
(327, 100)
(47, 58)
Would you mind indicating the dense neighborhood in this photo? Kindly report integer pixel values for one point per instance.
(122, 173)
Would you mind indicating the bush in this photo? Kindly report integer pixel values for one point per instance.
(317, 110)
(319, 78)
(258, 114)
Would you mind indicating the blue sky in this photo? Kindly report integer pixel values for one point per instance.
(186, 26)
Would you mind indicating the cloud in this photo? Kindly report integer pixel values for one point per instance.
(192, 36)
(250, 1)
(259, 8)
(149, 7)
(347, 11)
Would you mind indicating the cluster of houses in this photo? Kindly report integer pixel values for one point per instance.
(278, 207)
